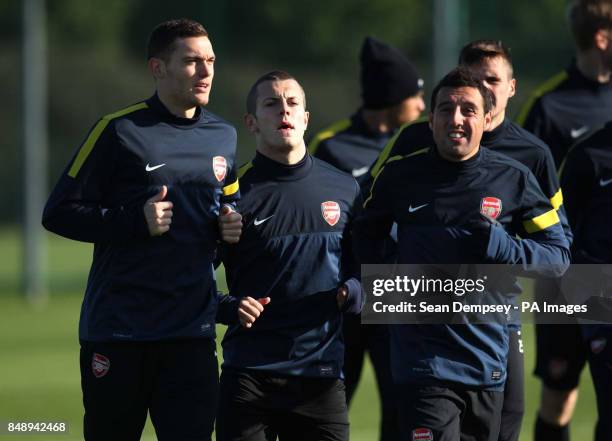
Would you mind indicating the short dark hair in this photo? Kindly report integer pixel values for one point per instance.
(463, 77)
(275, 75)
(161, 40)
(480, 50)
(586, 17)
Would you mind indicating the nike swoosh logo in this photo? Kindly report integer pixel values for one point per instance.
(259, 222)
(360, 171)
(412, 209)
(603, 183)
(155, 167)
(577, 133)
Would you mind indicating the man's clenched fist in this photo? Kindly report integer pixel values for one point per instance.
(158, 213)
(230, 224)
(250, 309)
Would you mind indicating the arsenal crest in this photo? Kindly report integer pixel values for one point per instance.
(491, 207)
(99, 365)
(219, 167)
(422, 434)
(331, 212)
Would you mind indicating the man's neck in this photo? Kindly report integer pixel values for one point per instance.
(376, 120)
(287, 157)
(497, 121)
(591, 65)
(174, 108)
(457, 159)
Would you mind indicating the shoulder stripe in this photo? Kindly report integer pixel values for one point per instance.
(545, 87)
(243, 169)
(541, 222)
(389, 161)
(91, 140)
(365, 203)
(324, 134)
(382, 158)
(394, 158)
(418, 152)
(557, 200)
(229, 190)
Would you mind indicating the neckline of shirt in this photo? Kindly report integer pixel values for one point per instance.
(156, 104)
(280, 171)
(459, 167)
(490, 137)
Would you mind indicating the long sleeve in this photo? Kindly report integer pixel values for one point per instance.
(350, 268)
(227, 310)
(371, 229)
(549, 182)
(231, 189)
(78, 206)
(577, 177)
(542, 247)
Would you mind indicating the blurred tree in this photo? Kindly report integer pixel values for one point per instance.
(330, 34)
(96, 26)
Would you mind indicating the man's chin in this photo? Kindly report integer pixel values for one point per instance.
(285, 145)
(457, 152)
(201, 99)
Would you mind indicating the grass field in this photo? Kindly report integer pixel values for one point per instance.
(39, 378)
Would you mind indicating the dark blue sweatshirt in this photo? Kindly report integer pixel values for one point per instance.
(450, 196)
(142, 287)
(295, 248)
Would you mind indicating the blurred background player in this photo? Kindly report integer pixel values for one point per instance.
(587, 180)
(563, 110)
(392, 95)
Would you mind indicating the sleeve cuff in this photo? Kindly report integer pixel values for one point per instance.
(354, 301)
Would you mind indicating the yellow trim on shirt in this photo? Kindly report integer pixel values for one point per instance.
(557, 200)
(545, 87)
(541, 222)
(229, 190)
(93, 137)
(327, 133)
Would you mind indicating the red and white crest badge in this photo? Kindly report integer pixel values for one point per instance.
(422, 434)
(491, 207)
(219, 167)
(331, 212)
(99, 365)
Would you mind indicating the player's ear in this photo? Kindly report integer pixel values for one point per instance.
(250, 121)
(431, 120)
(487, 120)
(306, 119)
(512, 87)
(157, 67)
(602, 39)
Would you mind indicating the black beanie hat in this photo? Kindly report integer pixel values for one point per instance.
(387, 77)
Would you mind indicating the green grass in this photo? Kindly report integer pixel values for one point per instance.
(39, 374)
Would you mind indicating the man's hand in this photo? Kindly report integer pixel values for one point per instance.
(158, 213)
(342, 296)
(230, 224)
(480, 230)
(250, 309)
